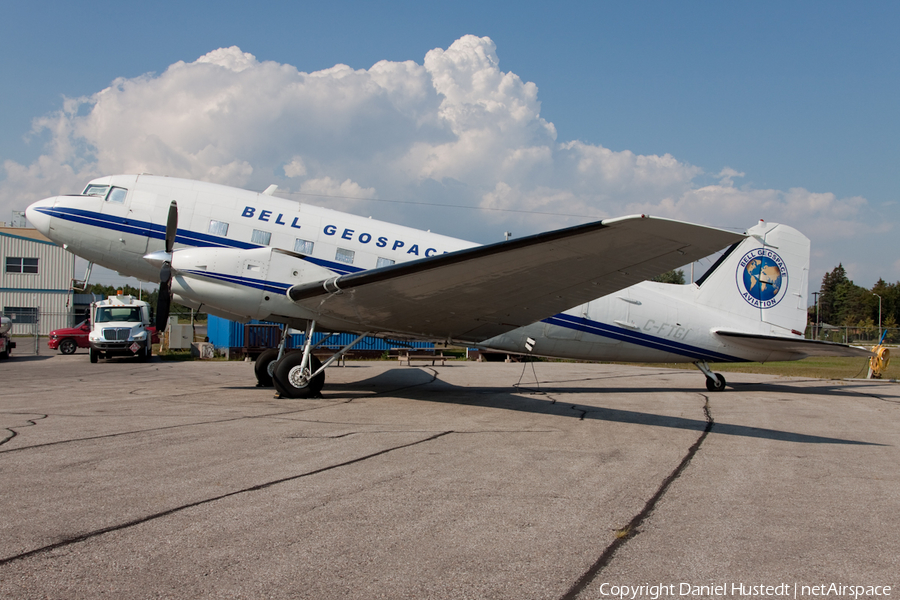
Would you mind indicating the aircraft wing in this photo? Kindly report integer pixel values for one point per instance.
(478, 293)
(799, 346)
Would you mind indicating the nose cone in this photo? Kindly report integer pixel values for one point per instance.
(39, 214)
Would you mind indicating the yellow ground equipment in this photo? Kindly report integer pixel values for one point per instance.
(878, 364)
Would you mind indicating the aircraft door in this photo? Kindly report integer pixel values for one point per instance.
(128, 233)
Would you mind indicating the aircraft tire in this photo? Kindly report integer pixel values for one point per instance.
(265, 367)
(288, 381)
(715, 386)
(67, 346)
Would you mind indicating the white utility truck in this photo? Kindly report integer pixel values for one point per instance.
(6, 345)
(120, 327)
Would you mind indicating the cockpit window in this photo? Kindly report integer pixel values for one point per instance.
(117, 194)
(95, 190)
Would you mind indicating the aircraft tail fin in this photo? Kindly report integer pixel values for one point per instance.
(765, 278)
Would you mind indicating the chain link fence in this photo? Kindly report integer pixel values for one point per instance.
(31, 327)
(860, 336)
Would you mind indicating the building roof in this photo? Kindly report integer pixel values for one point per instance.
(26, 233)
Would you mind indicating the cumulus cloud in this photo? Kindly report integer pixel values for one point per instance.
(455, 129)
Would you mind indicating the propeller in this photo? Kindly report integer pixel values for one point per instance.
(165, 271)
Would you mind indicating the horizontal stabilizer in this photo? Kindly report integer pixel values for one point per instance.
(478, 293)
(798, 346)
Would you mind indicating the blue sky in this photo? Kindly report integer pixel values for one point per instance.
(792, 95)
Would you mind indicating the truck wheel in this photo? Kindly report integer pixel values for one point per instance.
(94, 355)
(67, 346)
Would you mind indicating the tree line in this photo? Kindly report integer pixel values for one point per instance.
(843, 303)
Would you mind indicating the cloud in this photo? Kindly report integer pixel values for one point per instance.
(455, 129)
(727, 174)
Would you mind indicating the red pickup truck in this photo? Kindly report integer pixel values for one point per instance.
(70, 339)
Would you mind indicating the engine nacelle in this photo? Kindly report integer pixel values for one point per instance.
(246, 283)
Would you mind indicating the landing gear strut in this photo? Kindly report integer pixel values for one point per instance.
(296, 374)
(714, 381)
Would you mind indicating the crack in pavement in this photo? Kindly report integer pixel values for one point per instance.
(631, 529)
(152, 429)
(151, 517)
(199, 423)
(29, 423)
(877, 397)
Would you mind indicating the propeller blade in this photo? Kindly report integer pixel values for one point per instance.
(171, 226)
(164, 301)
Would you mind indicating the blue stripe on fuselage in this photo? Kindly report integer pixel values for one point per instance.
(261, 284)
(182, 236)
(639, 338)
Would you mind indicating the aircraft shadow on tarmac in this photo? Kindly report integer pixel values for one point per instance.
(417, 384)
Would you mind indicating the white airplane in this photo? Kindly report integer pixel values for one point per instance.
(244, 255)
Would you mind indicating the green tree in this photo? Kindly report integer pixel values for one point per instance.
(889, 323)
(673, 276)
(830, 283)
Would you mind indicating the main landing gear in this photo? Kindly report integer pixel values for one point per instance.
(297, 374)
(714, 381)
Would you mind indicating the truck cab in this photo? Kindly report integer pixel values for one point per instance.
(120, 326)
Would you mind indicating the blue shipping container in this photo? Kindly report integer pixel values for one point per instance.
(230, 334)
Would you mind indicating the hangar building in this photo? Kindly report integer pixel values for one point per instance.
(35, 282)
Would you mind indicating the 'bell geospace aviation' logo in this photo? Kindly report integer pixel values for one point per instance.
(762, 278)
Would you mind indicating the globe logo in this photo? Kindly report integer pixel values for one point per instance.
(764, 277)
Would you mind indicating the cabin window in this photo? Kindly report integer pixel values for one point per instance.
(344, 256)
(16, 264)
(117, 195)
(218, 227)
(94, 189)
(303, 246)
(261, 237)
(384, 262)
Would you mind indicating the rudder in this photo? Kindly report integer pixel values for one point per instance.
(765, 278)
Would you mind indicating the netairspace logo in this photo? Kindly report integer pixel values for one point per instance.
(742, 590)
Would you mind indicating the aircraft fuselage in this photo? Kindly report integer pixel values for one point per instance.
(119, 220)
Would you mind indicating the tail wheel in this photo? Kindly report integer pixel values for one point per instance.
(716, 385)
(264, 367)
(292, 381)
